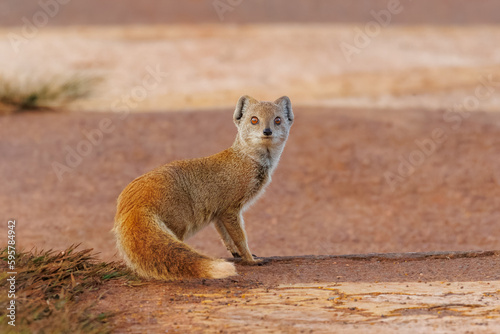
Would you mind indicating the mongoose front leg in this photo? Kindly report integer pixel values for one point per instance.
(226, 238)
(235, 228)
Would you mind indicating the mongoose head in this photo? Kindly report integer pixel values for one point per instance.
(263, 124)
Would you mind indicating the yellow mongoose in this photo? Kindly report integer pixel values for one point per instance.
(160, 209)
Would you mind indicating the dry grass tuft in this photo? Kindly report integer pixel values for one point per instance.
(49, 287)
(56, 92)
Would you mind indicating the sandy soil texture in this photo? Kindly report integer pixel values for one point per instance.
(390, 293)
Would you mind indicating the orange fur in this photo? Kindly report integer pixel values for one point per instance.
(160, 209)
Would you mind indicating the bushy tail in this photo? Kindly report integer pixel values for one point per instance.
(153, 251)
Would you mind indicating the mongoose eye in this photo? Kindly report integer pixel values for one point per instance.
(254, 120)
(277, 120)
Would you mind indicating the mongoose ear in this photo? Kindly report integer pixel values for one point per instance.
(284, 102)
(242, 106)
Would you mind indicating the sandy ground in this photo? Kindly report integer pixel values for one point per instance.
(389, 293)
(210, 66)
(330, 195)
(395, 149)
(344, 184)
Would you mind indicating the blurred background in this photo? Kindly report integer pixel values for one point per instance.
(139, 83)
(384, 54)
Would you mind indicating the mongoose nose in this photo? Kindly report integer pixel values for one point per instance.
(267, 132)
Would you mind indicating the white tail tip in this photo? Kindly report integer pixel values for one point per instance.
(222, 269)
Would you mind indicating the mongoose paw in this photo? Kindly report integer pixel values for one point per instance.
(238, 256)
(255, 262)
